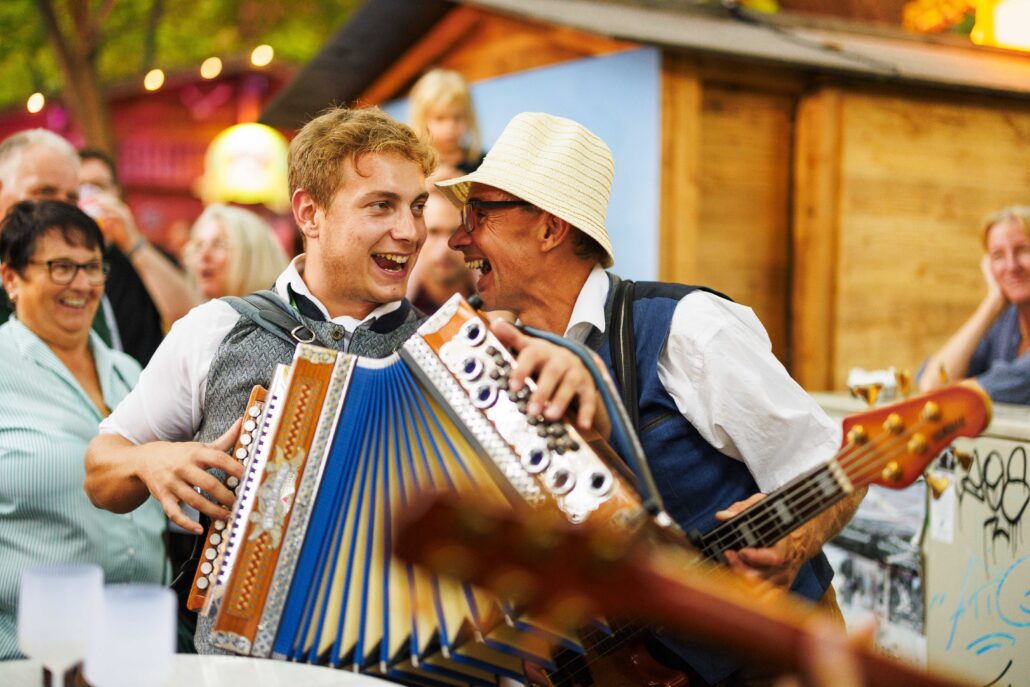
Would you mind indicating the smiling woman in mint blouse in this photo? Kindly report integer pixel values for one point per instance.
(58, 380)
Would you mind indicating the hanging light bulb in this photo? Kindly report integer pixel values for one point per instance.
(35, 103)
(211, 68)
(262, 55)
(154, 79)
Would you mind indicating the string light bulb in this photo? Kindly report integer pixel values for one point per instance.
(35, 103)
(211, 68)
(154, 79)
(262, 55)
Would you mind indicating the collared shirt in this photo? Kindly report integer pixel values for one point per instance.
(46, 423)
(168, 402)
(717, 365)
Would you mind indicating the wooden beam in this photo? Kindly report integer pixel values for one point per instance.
(680, 198)
(817, 225)
(441, 38)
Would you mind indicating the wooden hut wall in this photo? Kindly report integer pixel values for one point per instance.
(891, 190)
(726, 174)
(846, 215)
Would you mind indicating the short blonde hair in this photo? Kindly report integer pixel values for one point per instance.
(255, 256)
(442, 88)
(1017, 213)
(318, 151)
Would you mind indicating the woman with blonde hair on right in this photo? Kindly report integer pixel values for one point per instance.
(232, 252)
(442, 111)
(992, 344)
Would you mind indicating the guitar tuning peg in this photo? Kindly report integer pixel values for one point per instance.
(937, 484)
(903, 379)
(892, 472)
(964, 459)
(867, 392)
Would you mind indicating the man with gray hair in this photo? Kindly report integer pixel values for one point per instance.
(720, 420)
(37, 164)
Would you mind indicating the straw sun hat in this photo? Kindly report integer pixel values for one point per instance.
(556, 164)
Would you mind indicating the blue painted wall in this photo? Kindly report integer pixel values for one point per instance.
(617, 97)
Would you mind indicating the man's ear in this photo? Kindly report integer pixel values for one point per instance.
(305, 211)
(8, 279)
(555, 232)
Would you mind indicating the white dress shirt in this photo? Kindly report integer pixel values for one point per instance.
(718, 366)
(168, 402)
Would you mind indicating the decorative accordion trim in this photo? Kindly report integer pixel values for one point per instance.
(252, 573)
(247, 488)
(295, 532)
(216, 536)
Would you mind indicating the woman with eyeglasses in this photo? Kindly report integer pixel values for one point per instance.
(57, 381)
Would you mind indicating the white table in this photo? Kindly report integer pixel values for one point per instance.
(190, 670)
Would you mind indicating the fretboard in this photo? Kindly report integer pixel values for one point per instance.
(780, 513)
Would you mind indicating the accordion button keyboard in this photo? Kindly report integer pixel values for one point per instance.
(601, 483)
(485, 396)
(474, 332)
(472, 368)
(560, 480)
(535, 460)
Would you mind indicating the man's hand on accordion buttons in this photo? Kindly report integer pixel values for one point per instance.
(173, 471)
(560, 376)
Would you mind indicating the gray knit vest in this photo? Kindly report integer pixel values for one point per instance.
(248, 355)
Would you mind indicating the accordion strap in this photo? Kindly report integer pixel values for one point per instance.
(267, 310)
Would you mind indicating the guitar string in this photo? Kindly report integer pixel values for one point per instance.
(856, 461)
(861, 464)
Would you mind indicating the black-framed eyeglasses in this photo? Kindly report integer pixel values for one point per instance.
(63, 272)
(468, 219)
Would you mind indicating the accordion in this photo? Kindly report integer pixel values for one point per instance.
(338, 445)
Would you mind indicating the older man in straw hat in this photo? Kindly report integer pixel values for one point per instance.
(720, 419)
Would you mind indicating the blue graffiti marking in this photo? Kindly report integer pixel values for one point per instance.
(992, 642)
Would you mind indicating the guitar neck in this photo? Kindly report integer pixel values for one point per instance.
(779, 514)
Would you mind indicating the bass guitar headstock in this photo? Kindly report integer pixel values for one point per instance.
(893, 445)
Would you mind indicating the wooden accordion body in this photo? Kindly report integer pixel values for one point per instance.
(304, 570)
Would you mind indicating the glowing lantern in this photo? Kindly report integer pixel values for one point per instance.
(246, 164)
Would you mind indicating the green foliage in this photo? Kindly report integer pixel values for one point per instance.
(187, 32)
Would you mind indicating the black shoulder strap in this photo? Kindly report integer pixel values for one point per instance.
(623, 348)
(267, 310)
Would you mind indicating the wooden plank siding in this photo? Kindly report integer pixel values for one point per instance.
(679, 211)
(745, 167)
(725, 191)
(815, 231)
(917, 175)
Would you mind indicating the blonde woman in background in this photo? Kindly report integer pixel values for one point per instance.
(232, 252)
(442, 111)
(993, 345)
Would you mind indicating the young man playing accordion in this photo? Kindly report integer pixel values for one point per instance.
(358, 185)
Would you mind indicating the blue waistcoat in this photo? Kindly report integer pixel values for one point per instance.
(694, 479)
